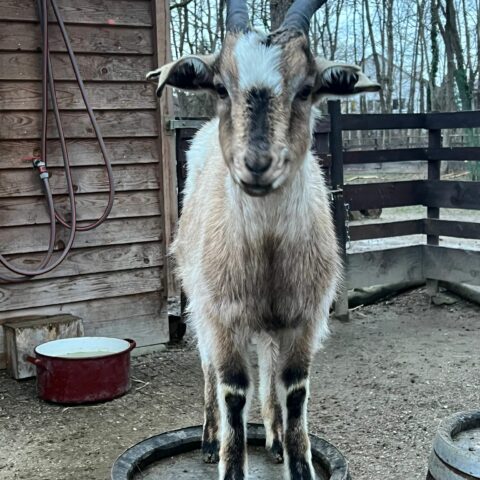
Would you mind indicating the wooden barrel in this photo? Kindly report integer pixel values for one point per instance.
(456, 449)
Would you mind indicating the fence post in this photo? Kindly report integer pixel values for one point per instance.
(336, 150)
(434, 171)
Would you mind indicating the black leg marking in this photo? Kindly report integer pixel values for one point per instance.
(295, 403)
(292, 375)
(210, 451)
(299, 469)
(276, 451)
(235, 451)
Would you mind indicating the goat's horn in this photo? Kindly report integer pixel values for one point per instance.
(300, 13)
(237, 16)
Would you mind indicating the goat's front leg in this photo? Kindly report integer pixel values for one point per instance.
(234, 388)
(268, 352)
(296, 357)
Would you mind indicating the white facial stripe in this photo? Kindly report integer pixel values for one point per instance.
(258, 64)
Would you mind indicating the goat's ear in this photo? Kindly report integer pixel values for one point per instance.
(193, 72)
(339, 79)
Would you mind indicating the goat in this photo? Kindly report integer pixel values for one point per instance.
(256, 249)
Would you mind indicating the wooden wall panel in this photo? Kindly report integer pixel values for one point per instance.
(82, 152)
(121, 12)
(34, 238)
(108, 68)
(123, 123)
(113, 278)
(18, 210)
(15, 36)
(107, 95)
(24, 183)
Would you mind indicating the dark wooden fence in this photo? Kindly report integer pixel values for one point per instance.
(416, 262)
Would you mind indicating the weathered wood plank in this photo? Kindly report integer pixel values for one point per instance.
(384, 195)
(452, 194)
(451, 228)
(411, 154)
(23, 336)
(32, 210)
(385, 230)
(433, 121)
(106, 95)
(34, 238)
(76, 289)
(121, 12)
(85, 261)
(121, 123)
(22, 183)
(385, 267)
(452, 264)
(27, 66)
(142, 317)
(16, 36)
(82, 152)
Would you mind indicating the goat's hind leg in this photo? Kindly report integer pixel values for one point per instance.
(268, 351)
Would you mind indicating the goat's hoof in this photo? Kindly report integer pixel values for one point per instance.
(210, 451)
(276, 451)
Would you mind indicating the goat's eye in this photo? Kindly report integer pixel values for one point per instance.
(305, 92)
(221, 90)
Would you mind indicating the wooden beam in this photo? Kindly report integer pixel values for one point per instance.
(452, 194)
(167, 167)
(452, 228)
(383, 267)
(384, 195)
(339, 214)
(452, 264)
(386, 229)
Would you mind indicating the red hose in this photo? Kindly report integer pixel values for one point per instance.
(48, 83)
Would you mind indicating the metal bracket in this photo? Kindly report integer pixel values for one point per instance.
(172, 124)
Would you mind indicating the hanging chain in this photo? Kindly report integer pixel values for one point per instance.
(347, 226)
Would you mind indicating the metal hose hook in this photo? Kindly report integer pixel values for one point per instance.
(48, 83)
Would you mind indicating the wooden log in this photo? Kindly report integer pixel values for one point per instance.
(120, 123)
(120, 12)
(84, 39)
(101, 96)
(34, 238)
(24, 334)
(85, 261)
(85, 287)
(82, 152)
(18, 211)
(383, 267)
(109, 68)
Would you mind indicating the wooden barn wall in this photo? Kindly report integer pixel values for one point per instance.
(114, 277)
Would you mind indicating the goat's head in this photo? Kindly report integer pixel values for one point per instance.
(266, 86)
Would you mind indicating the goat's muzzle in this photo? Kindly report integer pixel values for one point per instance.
(259, 172)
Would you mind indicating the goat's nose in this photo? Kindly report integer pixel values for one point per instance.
(258, 164)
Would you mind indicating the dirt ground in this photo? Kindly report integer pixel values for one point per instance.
(380, 387)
